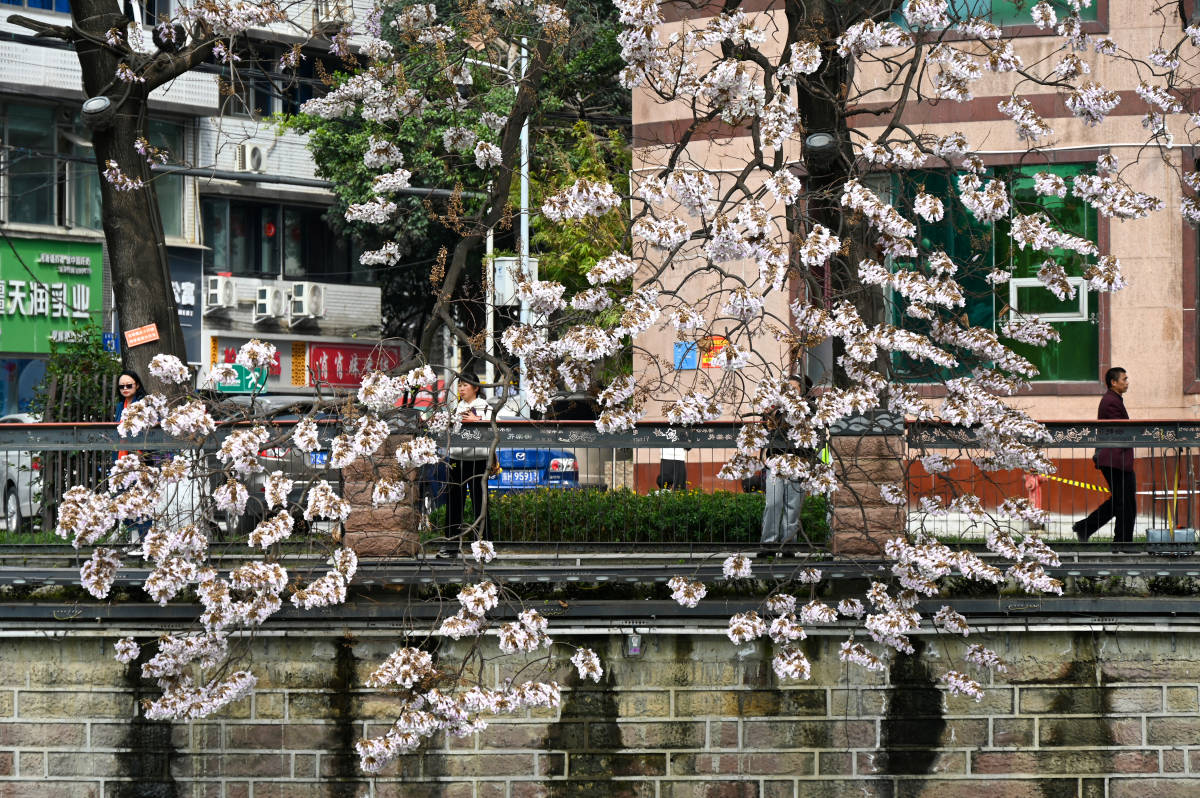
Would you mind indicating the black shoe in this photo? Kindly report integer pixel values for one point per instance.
(447, 554)
(1080, 532)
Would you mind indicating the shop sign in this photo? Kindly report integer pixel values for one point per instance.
(343, 365)
(186, 277)
(247, 381)
(46, 289)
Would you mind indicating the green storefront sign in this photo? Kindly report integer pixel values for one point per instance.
(46, 289)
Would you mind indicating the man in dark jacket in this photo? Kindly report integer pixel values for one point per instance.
(1116, 464)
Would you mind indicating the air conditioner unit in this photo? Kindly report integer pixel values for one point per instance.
(221, 294)
(270, 302)
(308, 301)
(250, 156)
(332, 13)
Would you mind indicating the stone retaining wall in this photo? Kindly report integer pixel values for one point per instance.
(1088, 714)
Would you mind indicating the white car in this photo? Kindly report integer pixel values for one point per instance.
(21, 480)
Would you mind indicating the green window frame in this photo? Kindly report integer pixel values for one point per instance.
(977, 249)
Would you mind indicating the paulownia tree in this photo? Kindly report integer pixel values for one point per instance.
(746, 227)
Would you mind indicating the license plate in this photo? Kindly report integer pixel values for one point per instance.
(519, 476)
(318, 458)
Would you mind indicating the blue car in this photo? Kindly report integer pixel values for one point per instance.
(529, 469)
(520, 470)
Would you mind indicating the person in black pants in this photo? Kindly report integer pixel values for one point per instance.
(1116, 464)
(468, 464)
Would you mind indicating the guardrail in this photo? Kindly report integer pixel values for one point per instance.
(629, 488)
(1166, 468)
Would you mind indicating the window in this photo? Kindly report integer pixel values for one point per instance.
(169, 188)
(1077, 356)
(61, 6)
(977, 249)
(262, 240)
(51, 176)
(258, 87)
(1007, 12)
(32, 168)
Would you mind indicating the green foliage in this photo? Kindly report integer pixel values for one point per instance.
(572, 516)
(82, 373)
(566, 252)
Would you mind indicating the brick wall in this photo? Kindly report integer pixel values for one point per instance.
(1080, 714)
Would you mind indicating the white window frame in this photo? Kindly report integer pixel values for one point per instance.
(1081, 296)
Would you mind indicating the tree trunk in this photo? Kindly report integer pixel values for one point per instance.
(828, 172)
(133, 228)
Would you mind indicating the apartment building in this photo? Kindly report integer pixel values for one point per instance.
(250, 253)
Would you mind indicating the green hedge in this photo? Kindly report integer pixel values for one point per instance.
(576, 516)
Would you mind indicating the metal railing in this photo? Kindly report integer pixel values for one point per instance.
(1166, 467)
(624, 488)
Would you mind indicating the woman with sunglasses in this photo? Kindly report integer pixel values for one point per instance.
(130, 390)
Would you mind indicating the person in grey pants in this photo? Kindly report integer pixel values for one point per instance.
(784, 497)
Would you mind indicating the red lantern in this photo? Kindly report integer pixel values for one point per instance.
(269, 229)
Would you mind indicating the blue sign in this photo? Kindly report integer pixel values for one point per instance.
(687, 355)
(111, 342)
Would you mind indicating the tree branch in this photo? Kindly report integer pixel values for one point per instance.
(45, 29)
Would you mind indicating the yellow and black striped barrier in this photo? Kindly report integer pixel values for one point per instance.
(1076, 483)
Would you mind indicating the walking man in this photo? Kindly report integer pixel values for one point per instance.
(1116, 464)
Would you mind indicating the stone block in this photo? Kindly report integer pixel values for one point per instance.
(74, 704)
(304, 766)
(1012, 732)
(520, 736)
(550, 765)
(8, 704)
(859, 788)
(312, 736)
(50, 789)
(861, 543)
(31, 764)
(1153, 787)
(1064, 762)
(6, 763)
(240, 736)
(421, 789)
(1132, 700)
(151, 767)
(996, 701)
(584, 788)
(1172, 730)
(851, 517)
(660, 735)
(1173, 760)
(772, 735)
(373, 535)
(268, 705)
(723, 734)
(708, 789)
(978, 788)
(1182, 699)
(42, 735)
(311, 789)
(749, 703)
(1064, 700)
(835, 763)
(1089, 731)
(489, 765)
(215, 765)
(149, 736)
(597, 765)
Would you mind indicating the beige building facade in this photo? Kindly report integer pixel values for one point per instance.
(1149, 327)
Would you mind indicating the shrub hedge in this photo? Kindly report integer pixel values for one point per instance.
(672, 516)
